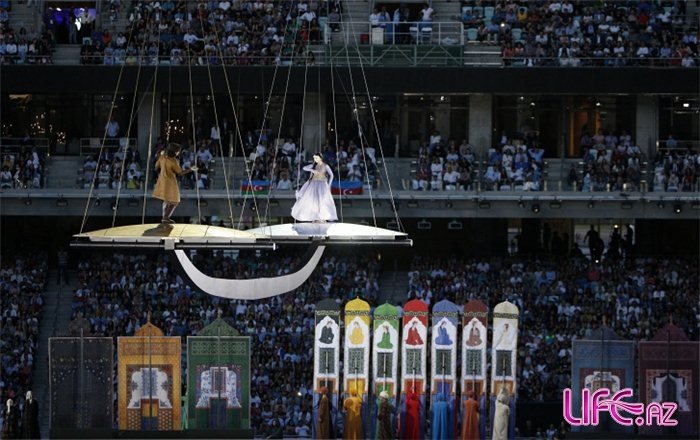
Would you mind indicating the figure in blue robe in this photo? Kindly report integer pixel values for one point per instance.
(443, 338)
(440, 425)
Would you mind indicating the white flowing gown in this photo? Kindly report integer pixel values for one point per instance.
(314, 199)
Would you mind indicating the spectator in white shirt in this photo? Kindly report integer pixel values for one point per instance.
(374, 18)
(112, 128)
(426, 13)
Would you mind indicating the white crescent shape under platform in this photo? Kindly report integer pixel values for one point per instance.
(251, 289)
(332, 233)
(171, 236)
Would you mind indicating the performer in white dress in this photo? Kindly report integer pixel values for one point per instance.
(314, 200)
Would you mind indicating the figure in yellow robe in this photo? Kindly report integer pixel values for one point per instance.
(353, 417)
(324, 415)
(356, 336)
(167, 188)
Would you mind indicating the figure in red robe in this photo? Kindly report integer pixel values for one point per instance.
(412, 430)
(470, 422)
(413, 336)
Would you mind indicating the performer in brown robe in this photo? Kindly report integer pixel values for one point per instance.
(324, 415)
(353, 417)
(470, 421)
(167, 188)
(384, 418)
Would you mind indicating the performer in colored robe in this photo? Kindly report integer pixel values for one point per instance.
(412, 427)
(443, 338)
(324, 415)
(356, 336)
(500, 421)
(385, 343)
(30, 418)
(505, 337)
(384, 431)
(167, 188)
(314, 200)
(326, 334)
(470, 421)
(413, 337)
(353, 417)
(474, 336)
(10, 426)
(440, 423)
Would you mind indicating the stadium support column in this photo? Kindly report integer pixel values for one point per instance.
(647, 124)
(314, 122)
(480, 121)
(143, 123)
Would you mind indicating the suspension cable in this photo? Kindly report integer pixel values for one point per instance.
(104, 137)
(131, 121)
(150, 139)
(335, 131)
(216, 123)
(194, 130)
(359, 125)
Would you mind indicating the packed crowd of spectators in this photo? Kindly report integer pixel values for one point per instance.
(210, 33)
(570, 294)
(23, 45)
(675, 169)
(105, 171)
(116, 292)
(563, 299)
(22, 285)
(610, 163)
(579, 33)
(22, 169)
(514, 164)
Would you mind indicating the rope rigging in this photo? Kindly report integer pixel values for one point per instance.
(289, 45)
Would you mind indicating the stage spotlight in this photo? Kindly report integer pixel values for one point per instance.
(274, 203)
(202, 203)
(393, 225)
(626, 205)
(114, 205)
(555, 204)
(377, 204)
(536, 208)
(591, 204)
(695, 205)
(27, 202)
(455, 225)
(253, 207)
(98, 202)
(61, 202)
(484, 205)
(660, 204)
(677, 207)
(424, 225)
(521, 204)
(239, 203)
(448, 205)
(132, 203)
(412, 204)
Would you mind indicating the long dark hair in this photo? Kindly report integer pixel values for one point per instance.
(173, 149)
